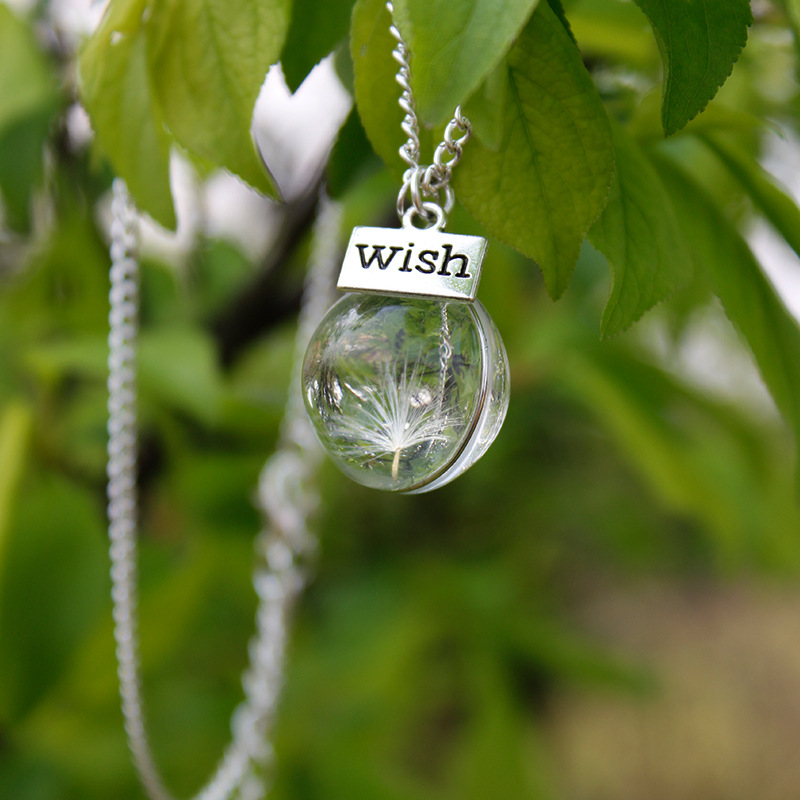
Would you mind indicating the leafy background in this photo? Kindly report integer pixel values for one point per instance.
(605, 606)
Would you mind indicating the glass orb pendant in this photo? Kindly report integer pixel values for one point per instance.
(406, 378)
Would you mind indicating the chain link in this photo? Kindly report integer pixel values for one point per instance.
(286, 496)
(423, 184)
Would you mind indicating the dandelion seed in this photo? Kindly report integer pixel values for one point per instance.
(397, 414)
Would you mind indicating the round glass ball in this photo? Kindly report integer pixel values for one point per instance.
(405, 393)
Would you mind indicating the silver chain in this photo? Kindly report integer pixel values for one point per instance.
(286, 496)
(286, 492)
(426, 186)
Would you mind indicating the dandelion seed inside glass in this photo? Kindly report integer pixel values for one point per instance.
(405, 393)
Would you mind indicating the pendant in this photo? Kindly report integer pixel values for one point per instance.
(406, 379)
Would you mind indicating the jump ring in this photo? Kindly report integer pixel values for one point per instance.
(412, 186)
(429, 208)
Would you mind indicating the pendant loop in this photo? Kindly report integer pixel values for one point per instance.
(429, 209)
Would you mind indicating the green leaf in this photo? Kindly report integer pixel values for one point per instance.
(495, 755)
(53, 588)
(371, 47)
(776, 205)
(639, 234)
(546, 184)
(26, 79)
(701, 470)
(351, 158)
(178, 367)
(66, 286)
(15, 427)
(208, 61)
(700, 41)
(316, 28)
(616, 32)
(645, 123)
(115, 88)
(559, 11)
(26, 111)
(454, 45)
(486, 109)
(792, 9)
(22, 145)
(748, 298)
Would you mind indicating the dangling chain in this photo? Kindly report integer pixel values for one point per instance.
(425, 185)
(286, 496)
(286, 493)
(420, 182)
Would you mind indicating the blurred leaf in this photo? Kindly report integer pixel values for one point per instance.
(454, 45)
(53, 587)
(635, 408)
(178, 367)
(179, 584)
(549, 181)
(717, 118)
(217, 490)
(639, 234)
(352, 157)
(616, 32)
(699, 43)
(792, 8)
(22, 146)
(566, 657)
(25, 778)
(15, 428)
(27, 83)
(192, 657)
(776, 205)
(85, 356)
(494, 760)
(255, 390)
(64, 288)
(116, 90)
(79, 431)
(208, 61)
(316, 27)
(165, 294)
(343, 66)
(220, 269)
(27, 106)
(747, 296)
(681, 309)
(81, 755)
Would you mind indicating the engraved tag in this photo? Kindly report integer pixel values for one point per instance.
(413, 261)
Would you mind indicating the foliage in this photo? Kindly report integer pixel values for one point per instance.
(699, 44)
(438, 626)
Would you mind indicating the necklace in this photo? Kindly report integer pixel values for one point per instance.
(405, 382)
(286, 543)
(406, 379)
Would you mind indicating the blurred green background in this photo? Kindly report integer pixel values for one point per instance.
(605, 606)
